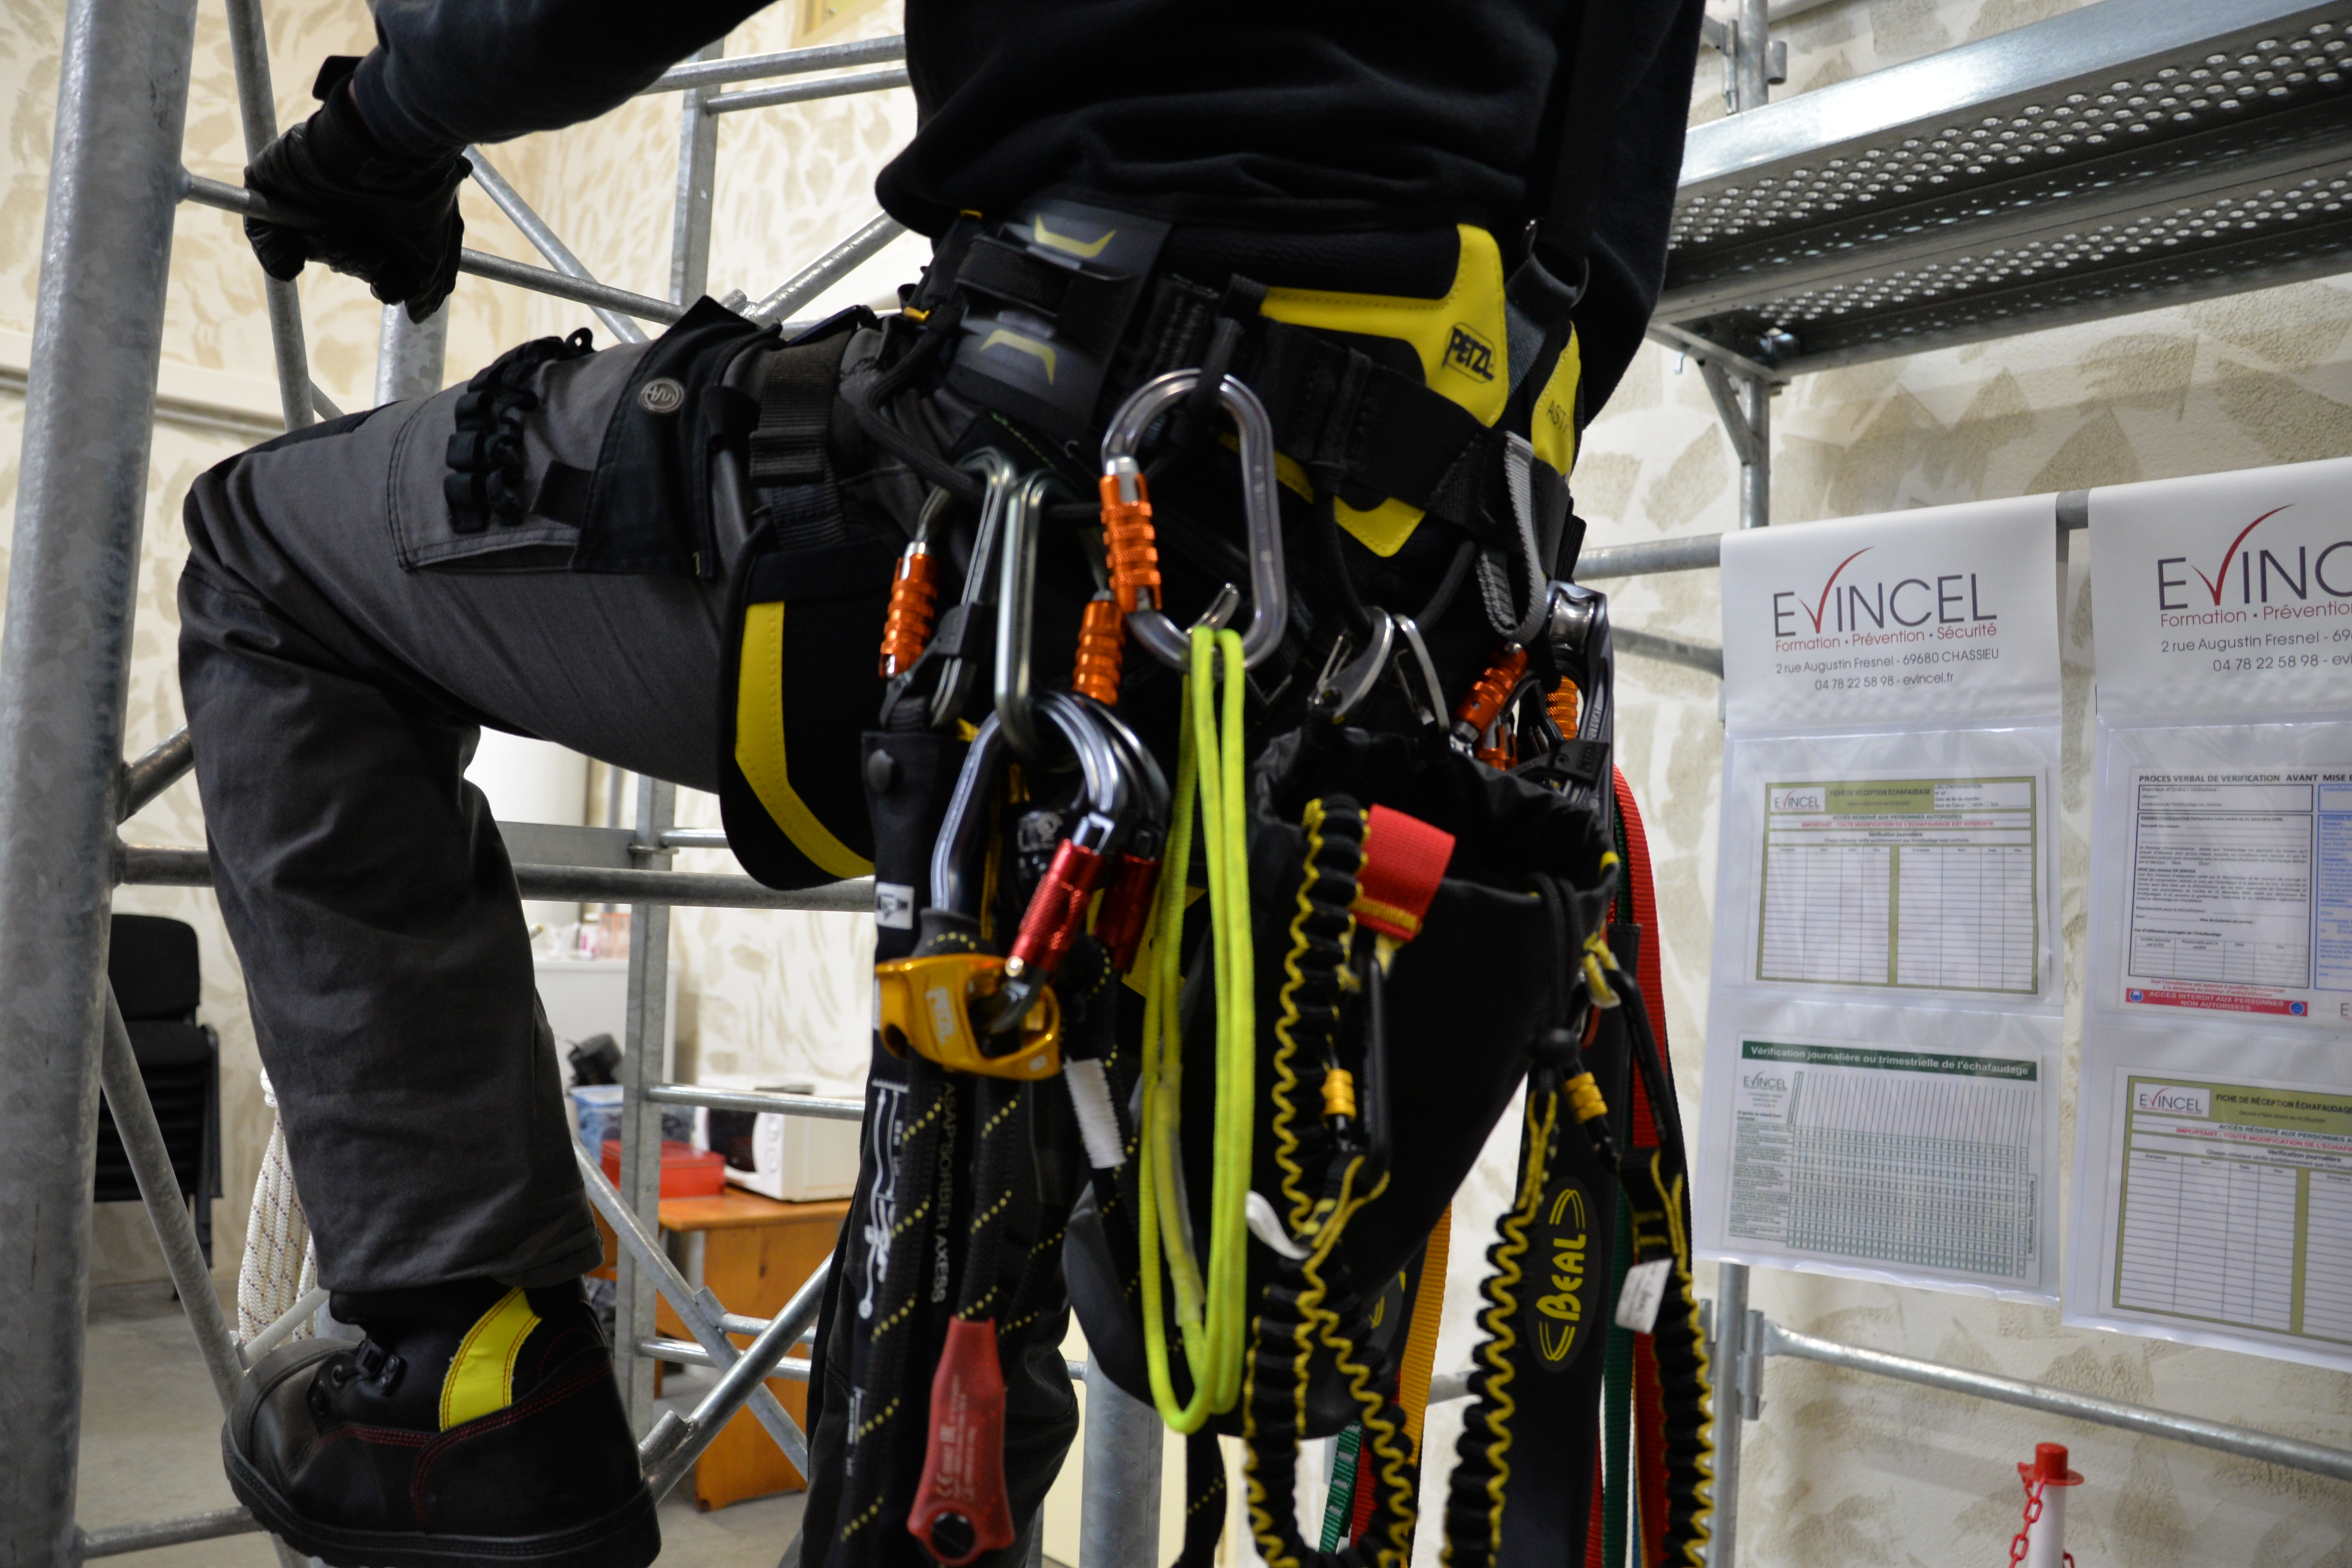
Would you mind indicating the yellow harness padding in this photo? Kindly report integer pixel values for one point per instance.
(481, 1374)
(1462, 342)
(760, 744)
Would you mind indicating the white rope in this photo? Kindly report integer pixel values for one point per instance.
(280, 1265)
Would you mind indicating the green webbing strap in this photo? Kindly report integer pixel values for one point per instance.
(1209, 1317)
(1341, 1505)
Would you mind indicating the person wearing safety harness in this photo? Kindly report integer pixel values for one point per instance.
(1260, 343)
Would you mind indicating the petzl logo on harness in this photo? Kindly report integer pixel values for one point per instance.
(1471, 354)
(1560, 1248)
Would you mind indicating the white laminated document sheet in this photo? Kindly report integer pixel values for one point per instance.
(2221, 860)
(2212, 1199)
(1883, 1030)
(1943, 1151)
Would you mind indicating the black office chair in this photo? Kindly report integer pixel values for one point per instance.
(157, 983)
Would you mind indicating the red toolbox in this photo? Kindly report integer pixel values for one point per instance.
(687, 1172)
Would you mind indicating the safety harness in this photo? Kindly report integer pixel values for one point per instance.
(1204, 970)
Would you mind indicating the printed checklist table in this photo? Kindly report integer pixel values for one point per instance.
(1912, 884)
(2235, 1208)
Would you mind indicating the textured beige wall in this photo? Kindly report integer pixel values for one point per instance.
(1842, 1472)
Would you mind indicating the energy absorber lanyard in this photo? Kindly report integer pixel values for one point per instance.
(1210, 1314)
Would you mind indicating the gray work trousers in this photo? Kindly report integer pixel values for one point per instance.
(340, 645)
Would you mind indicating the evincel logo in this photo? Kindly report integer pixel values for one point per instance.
(1880, 612)
(1813, 799)
(2255, 581)
(2173, 1099)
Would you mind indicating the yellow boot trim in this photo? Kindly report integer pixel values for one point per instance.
(481, 1374)
(760, 745)
(1461, 339)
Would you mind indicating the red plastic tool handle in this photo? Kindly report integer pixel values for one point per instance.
(961, 1509)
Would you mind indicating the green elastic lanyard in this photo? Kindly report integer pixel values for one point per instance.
(1210, 1319)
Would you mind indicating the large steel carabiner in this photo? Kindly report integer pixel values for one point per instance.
(955, 675)
(1261, 507)
(1016, 612)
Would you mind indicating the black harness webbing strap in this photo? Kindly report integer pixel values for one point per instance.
(1087, 309)
(788, 445)
(1371, 433)
(1362, 429)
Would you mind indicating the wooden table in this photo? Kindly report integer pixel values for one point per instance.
(755, 1253)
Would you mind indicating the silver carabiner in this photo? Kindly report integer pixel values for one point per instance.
(958, 855)
(1016, 609)
(997, 470)
(1261, 507)
(1395, 643)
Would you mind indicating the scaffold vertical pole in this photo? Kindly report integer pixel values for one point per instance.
(64, 663)
(257, 103)
(641, 1066)
(411, 356)
(697, 166)
(1118, 1507)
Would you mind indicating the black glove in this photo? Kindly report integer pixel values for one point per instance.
(345, 201)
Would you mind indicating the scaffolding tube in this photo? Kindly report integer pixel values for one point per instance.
(65, 670)
(787, 62)
(698, 1312)
(763, 1101)
(806, 91)
(117, 1540)
(826, 270)
(545, 241)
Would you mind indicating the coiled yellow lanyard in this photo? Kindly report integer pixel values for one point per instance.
(1210, 1319)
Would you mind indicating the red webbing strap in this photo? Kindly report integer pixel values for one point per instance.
(1648, 972)
(1649, 1397)
(1594, 1557)
(1404, 861)
(1650, 1450)
(1360, 1510)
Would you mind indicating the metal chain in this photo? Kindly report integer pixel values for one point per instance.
(2033, 1513)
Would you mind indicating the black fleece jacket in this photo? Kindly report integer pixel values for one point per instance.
(1318, 114)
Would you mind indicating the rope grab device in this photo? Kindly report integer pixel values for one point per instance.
(1202, 977)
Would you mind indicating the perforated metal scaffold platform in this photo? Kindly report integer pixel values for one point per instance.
(2126, 155)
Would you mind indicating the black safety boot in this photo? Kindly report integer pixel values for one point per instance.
(474, 1425)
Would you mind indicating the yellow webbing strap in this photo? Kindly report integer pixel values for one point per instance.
(481, 1374)
(760, 744)
(1421, 1335)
